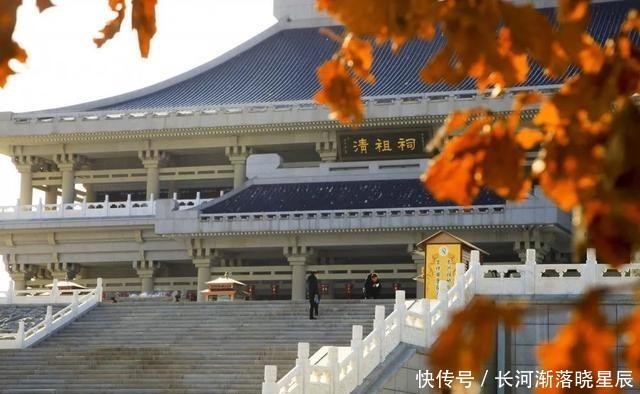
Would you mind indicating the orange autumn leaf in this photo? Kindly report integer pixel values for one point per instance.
(585, 343)
(547, 115)
(566, 176)
(591, 56)
(43, 4)
(113, 26)
(467, 343)
(359, 56)
(520, 101)
(502, 167)
(397, 21)
(573, 17)
(9, 49)
(572, 11)
(630, 333)
(143, 19)
(439, 66)
(451, 178)
(339, 92)
(451, 175)
(528, 138)
(632, 23)
(455, 121)
(530, 30)
(612, 229)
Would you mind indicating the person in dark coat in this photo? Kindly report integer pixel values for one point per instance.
(372, 286)
(314, 295)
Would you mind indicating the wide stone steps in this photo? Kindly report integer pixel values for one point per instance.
(151, 346)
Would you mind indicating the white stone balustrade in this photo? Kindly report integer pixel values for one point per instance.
(337, 370)
(79, 304)
(189, 203)
(42, 296)
(86, 209)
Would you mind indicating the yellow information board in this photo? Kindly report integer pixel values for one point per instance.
(440, 264)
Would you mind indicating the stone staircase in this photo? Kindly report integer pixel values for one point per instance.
(160, 347)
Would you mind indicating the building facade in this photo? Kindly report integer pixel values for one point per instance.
(232, 168)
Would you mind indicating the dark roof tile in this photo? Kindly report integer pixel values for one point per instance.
(282, 68)
(404, 193)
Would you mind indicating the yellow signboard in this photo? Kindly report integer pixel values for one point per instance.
(440, 264)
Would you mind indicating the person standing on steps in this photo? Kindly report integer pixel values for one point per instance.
(372, 286)
(314, 295)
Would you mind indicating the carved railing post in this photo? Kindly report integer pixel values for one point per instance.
(269, 386)
(356, 346)
(379, 327)
(334, 367)
(302, 362)
(20, 335)
(529, 274)
(401, 310)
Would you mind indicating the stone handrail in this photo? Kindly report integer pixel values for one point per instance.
(52, 295)
(189, 203)
(52, 322)
(86, 209)
(337, 370)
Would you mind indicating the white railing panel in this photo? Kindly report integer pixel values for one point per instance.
(348, 374)
(320, 381)
(392, 332)
(81, 301)
(370, 353)
(291, 382)
(419, 322)
(78, 210)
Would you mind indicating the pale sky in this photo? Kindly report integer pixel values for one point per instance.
(65, 67)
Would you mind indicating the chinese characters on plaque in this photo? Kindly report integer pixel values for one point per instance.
(394, 145)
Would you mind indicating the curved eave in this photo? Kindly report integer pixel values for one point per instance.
(386, 111)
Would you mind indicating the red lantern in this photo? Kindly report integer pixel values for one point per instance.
(252, 292)
(324, 289)
(348, 289)
(275, 289)
(396, 286)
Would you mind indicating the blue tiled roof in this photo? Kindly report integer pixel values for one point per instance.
(404, 193)
(282, 68)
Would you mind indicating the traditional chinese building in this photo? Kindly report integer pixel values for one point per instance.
(232, 167)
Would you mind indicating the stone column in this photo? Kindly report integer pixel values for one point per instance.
(19, 280)
(152, 160)
(19, 273)
(203, 264)
(298, 257)
(24, 165)
(66, 163)
(238, 158)
(418, 260)
(26, 186)
(327, 151)
(145, 270)
(90, 193)
(51, 195)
